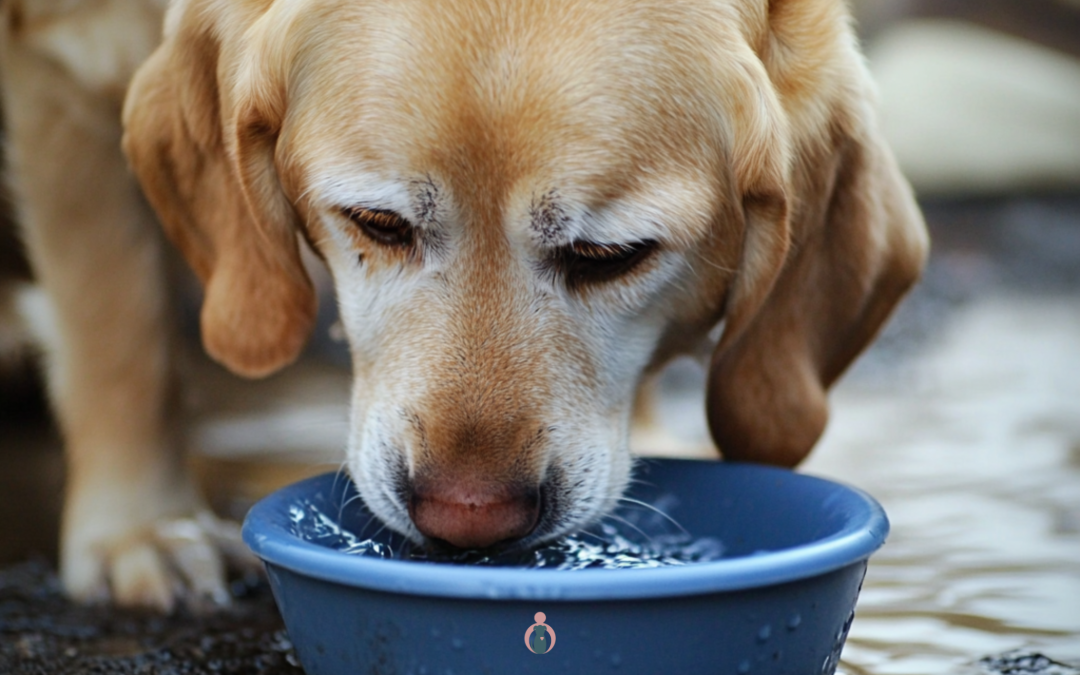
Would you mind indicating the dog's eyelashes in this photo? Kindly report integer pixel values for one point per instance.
(383, 227)
(587, 262)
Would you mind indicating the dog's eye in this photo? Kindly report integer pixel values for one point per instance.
(585, 262)
(384, 227)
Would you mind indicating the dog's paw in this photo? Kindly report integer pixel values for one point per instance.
(170, 561)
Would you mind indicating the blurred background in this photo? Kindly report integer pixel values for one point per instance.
(963, 419)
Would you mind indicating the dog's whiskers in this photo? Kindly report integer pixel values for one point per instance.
(650, 507)
(371, 521)
(378, 531)
(722, 268)
(342, 471)
(602, 540)
(626, 522)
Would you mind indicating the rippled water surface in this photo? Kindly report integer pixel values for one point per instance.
(635, 537)
(974, 450)
(972, 444)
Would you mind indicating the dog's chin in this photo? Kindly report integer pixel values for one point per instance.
(381, 490)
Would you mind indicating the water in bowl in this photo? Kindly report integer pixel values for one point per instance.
(636, 536)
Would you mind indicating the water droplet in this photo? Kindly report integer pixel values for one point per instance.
(764, 633)
(616, 660)
(423, 670)
(436, 633)
(794, 621)
(457, 643)
(744, 666)
(833, 659)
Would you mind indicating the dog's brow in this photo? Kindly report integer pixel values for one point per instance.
(425, 199)
(417, 200)
(548, 219)
(668, 210)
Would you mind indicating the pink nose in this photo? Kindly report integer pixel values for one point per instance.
(472, 516)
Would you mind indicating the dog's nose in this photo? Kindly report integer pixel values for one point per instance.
(473, 516)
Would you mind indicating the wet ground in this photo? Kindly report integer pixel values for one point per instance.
(963, 420)
(972, 443)
(41, 633)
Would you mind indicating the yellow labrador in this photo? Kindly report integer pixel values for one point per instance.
(526, 207)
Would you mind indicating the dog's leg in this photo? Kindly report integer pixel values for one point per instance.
(134, 527)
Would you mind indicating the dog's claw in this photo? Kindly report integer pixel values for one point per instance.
(198, 563)
(139, 578)
(173, 562)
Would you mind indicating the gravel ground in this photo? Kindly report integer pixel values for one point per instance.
(42, 633)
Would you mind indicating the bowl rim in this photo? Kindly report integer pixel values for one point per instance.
(864, 533)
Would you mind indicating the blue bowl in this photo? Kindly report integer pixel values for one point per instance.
(780, 600)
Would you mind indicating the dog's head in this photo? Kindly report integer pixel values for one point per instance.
(525, 208)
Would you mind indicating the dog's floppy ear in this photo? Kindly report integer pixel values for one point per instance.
(200, 122)
(857, 244)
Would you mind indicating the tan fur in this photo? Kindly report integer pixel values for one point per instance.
(102, 316)
(738, 134)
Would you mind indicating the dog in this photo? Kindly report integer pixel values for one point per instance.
(526, 207)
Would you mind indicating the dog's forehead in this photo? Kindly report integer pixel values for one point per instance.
(545, 108)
